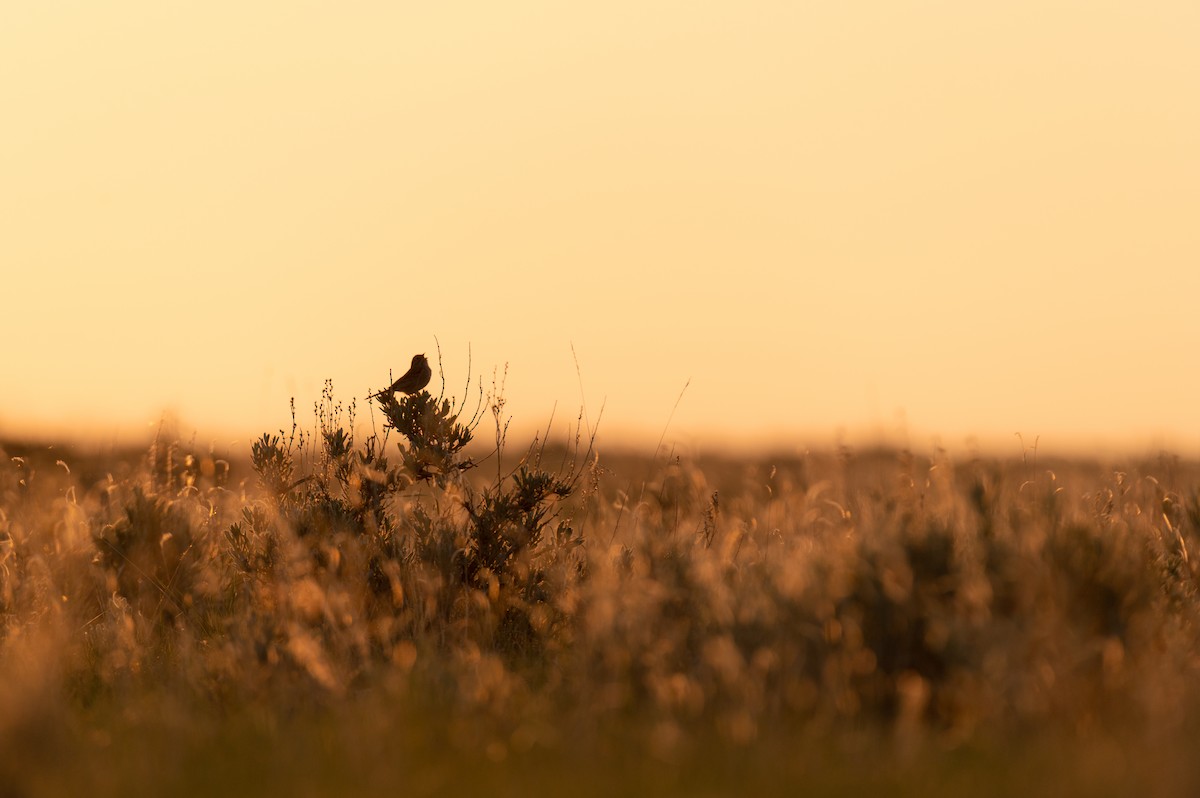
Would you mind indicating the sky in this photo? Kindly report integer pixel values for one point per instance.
(777, 224)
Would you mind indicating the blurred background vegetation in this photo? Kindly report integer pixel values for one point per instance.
(421, 610)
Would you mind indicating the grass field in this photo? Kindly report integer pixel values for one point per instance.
(410, 613)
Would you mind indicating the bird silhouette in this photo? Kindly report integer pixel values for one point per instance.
(416, 378)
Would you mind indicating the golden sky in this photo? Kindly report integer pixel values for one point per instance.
(932, 220)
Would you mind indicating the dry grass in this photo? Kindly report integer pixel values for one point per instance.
(339, 624)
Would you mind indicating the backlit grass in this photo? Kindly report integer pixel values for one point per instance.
(410, 612)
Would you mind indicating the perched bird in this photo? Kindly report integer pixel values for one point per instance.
(416, 378)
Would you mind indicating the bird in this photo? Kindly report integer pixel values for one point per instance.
(416, 378)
